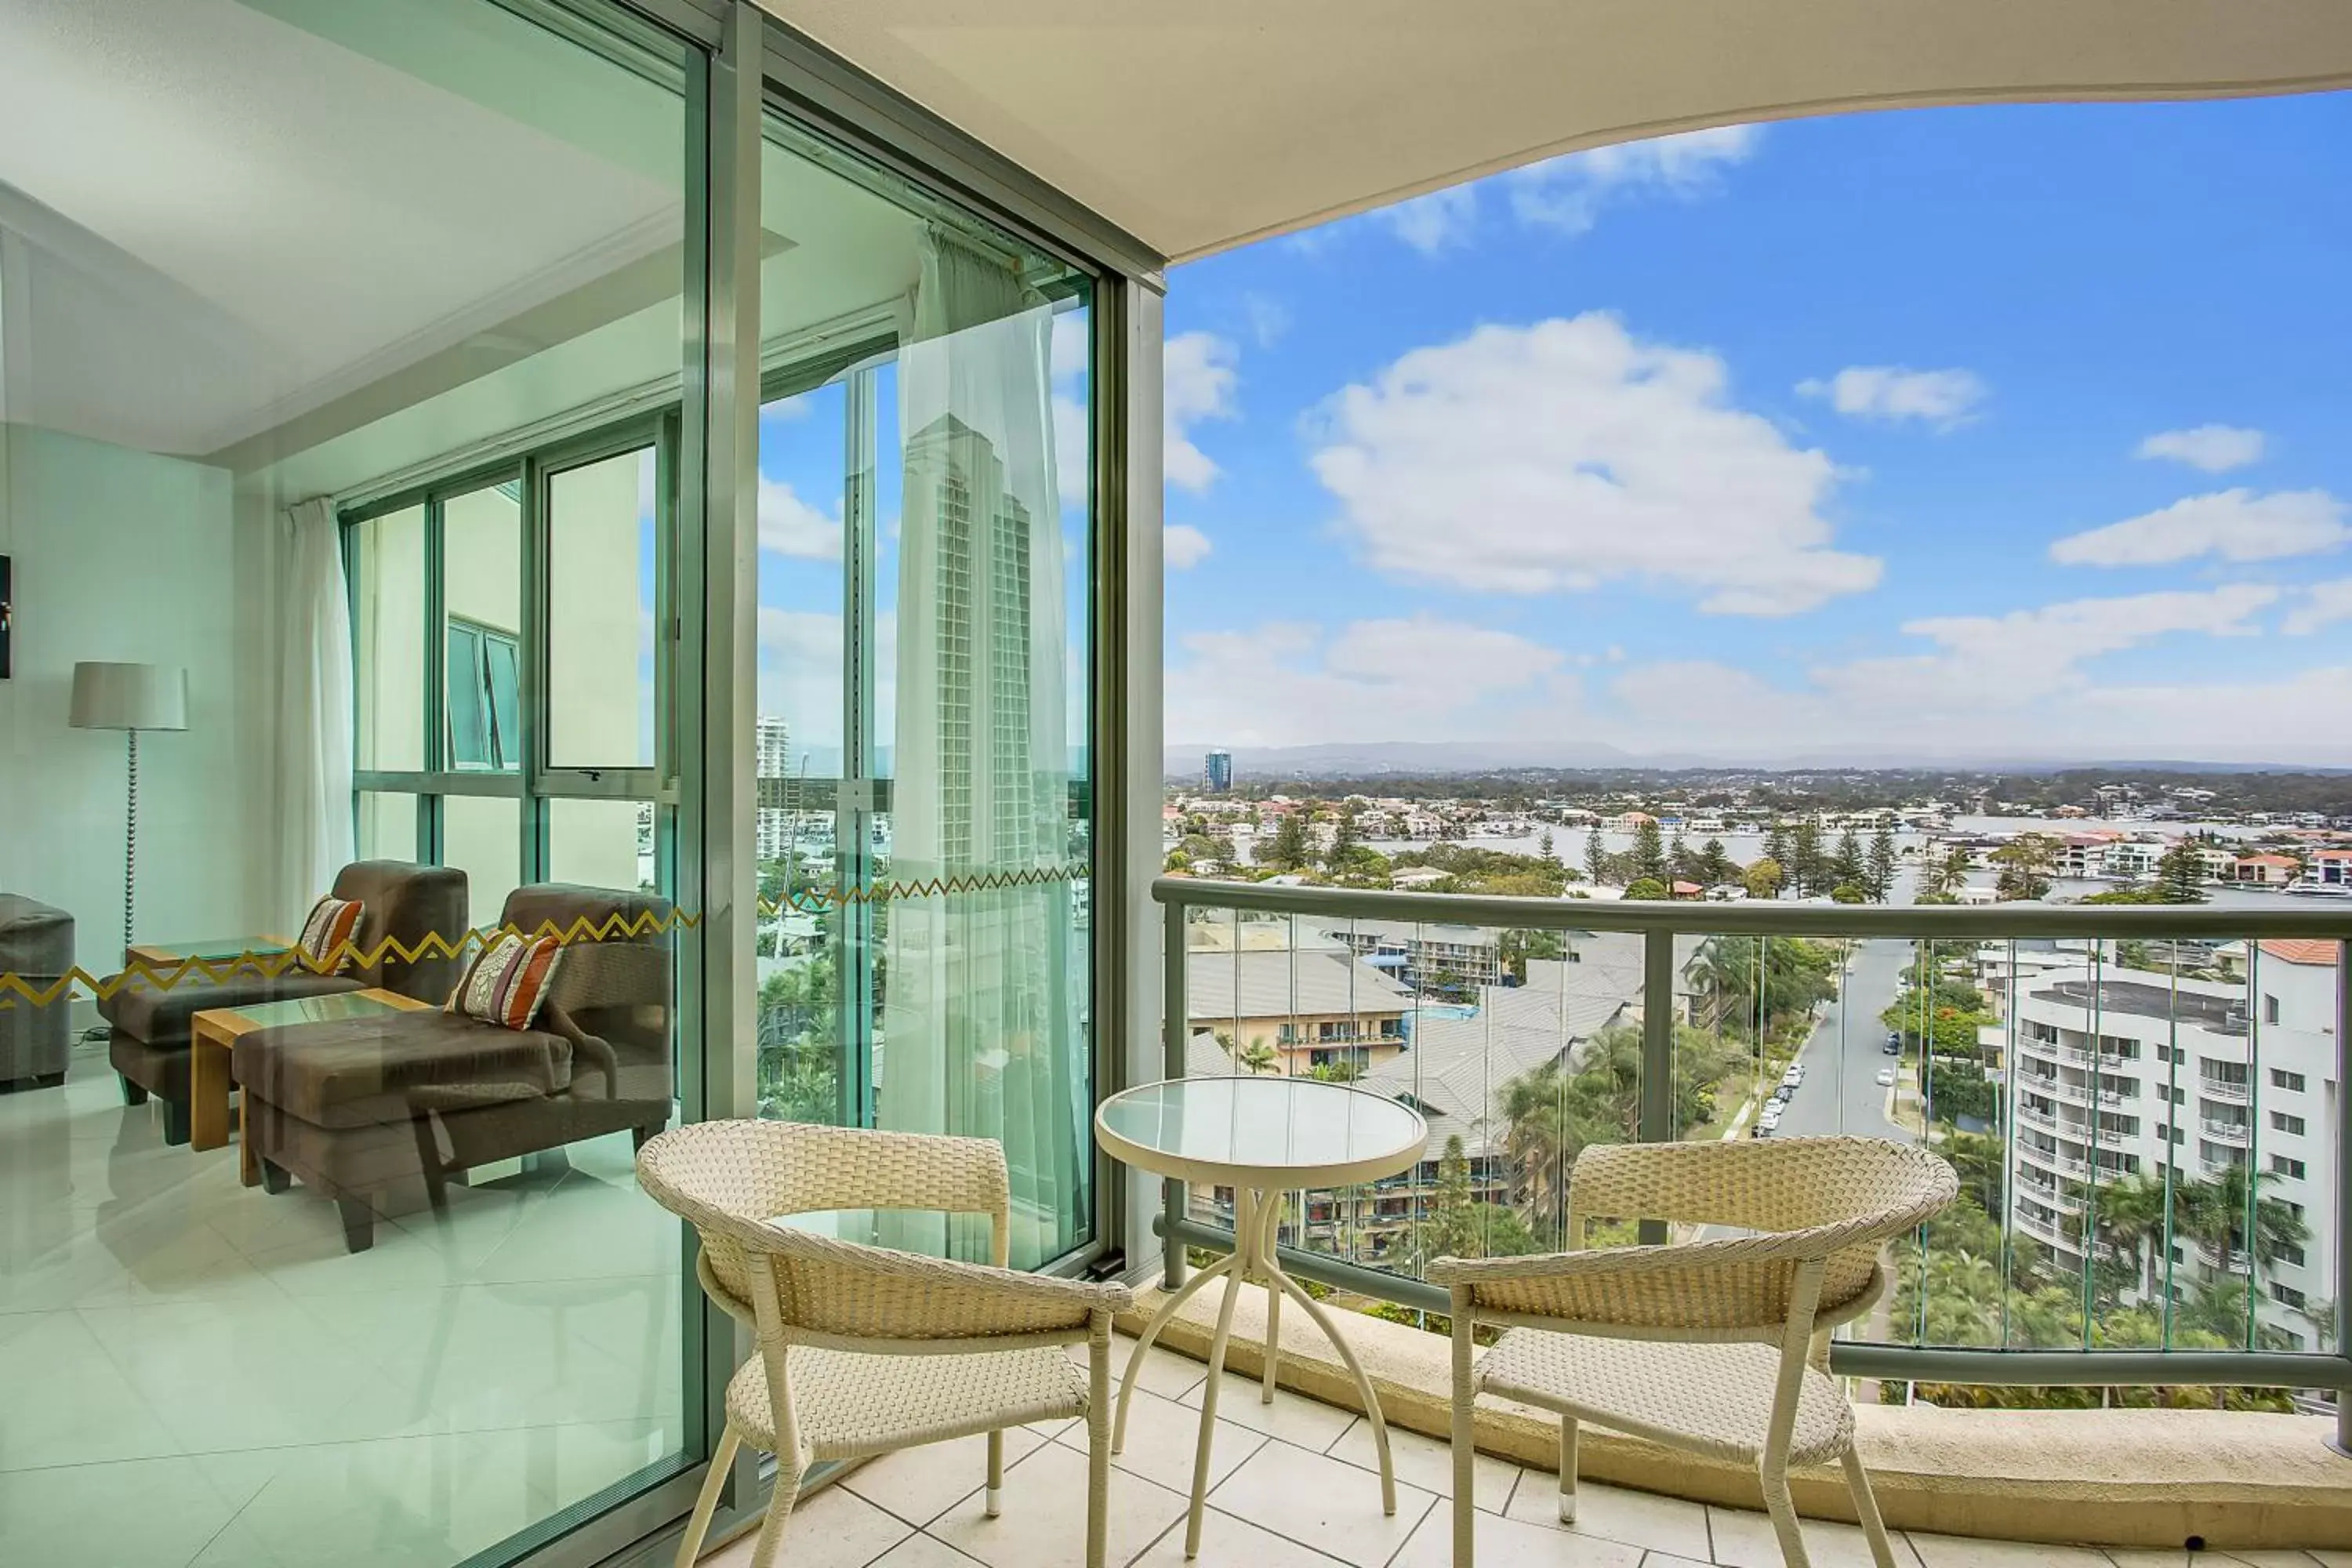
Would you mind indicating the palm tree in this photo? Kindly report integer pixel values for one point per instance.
(1945, 875)
(1258, 1056)
(2131, 1214)
(2215, 1213)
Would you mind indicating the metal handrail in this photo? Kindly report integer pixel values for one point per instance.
(1659, 923)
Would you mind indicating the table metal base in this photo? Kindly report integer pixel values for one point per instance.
(1252, 1262)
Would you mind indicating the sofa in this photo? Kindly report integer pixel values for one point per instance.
(404, 902)
(37, 945)
(381, 1114)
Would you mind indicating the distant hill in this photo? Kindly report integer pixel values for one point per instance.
(1371, 759)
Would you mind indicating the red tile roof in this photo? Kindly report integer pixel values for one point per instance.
(2302, 949)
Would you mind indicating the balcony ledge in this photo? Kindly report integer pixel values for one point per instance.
(2102, 1477)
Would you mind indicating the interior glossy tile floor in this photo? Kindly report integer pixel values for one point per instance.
(198, 1375)
(1295, 1488)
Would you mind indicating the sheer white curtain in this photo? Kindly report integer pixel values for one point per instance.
(981, 1031)
(314, 710)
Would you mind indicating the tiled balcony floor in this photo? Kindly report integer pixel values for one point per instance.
(1293, 1488)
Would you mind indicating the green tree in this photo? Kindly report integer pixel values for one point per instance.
(1881, 880)
(1716, 866)
(1452, 1229)
(1647, 887)
(1288, 850)
(1344, 839)
(1596, 857)
(1849, 869)
(2025, 863)
(2180, 875)
(1649, 851)
(1764, 879)
(1807, 864)
(2216, 1211)
(1544, 845)
(2130, 1214)
(1520, 945)
(1849, 893)
(1945, 873)
(1778, 846)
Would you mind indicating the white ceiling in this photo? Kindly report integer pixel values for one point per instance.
(217, 220)
(1202, 125)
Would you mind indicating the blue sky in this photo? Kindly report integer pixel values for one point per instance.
(2015, 430)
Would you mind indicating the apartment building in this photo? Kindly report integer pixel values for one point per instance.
(1310, 1008)
(1420, 953)
(2121, 1073)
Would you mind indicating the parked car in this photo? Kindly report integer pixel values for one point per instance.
(1885, 1077)
(1794, 1076)
(1894, 1045)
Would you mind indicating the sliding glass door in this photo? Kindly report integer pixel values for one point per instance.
(923, 798)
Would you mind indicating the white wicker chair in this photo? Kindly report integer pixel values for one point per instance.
(862, 1349)
(1720, 1347)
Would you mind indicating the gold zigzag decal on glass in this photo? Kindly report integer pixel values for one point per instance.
(269, 963)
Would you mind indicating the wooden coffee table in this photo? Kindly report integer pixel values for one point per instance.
(212, 1040)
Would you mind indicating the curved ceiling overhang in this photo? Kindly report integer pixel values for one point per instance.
(1204, 125)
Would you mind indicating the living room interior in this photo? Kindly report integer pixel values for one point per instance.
(343, 423)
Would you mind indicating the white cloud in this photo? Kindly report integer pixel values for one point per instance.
(2323, 604)
(1571, 453)
(1069, 349)
(1567, 193)
(1184, 546)
(1267, 317)
(2011, 683)
(2216, 449)
(2234, 524)
(1944, 398)
(1418, 679)
(800, 680)
(1198, 383)
(1070, 445)
(1435, 222)
(790, 526)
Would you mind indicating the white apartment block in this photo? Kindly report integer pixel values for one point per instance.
(2209, 1075)
(771, 759)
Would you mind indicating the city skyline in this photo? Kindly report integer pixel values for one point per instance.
(2000, 432)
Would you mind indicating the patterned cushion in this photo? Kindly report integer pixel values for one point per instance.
(327, 933)
(507, 981)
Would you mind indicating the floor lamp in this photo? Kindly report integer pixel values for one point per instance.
(129, 698)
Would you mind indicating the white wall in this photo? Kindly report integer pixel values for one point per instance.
(122, 555)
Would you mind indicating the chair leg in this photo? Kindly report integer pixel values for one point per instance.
(177, 1122)
(133, 1093)
(1865, 1508)
(1568, 1470)
(1784, 1517)
(275, 1178)
(1271, 1370)
(995, 1501)
(771, 1529)
(1098, 1446)
(359, 1224)
(1465, 1448)
(707, 1502)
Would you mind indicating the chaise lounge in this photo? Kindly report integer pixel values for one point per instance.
(381, 1113)
(403, 902)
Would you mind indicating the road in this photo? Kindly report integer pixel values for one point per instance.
(1842, 1057)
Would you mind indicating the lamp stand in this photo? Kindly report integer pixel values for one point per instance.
(131, 842)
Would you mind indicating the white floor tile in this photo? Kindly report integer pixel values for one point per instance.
(1965, 1551)
(1164, 1372)
(923, 1552)
(1230, 1542)
(1427, 1464)
(921, 1483)
(1321, 1502)
(1510, 1543)
(399, 1502)
(1616, 1513)
(1293, 1417)
(66, 1402)
(1744, 1539)
(1163, 1440)
(1043, 1523)
(834, 1529)
(77, 1516)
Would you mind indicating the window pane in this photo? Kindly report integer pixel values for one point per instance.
(600, 575)
(602, 843)
(503, 660)
(923, 591)
(481, 586)
(482, 837)
(387, 562)
(387, 827)
(468, 708)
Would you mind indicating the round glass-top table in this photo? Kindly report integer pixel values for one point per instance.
(1262, 1137)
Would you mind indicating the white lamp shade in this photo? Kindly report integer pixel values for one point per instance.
(130, 697)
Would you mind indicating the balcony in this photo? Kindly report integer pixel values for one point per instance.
(2234, 1093)
(2238, 1132)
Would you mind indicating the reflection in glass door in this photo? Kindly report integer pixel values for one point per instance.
(923, 798)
